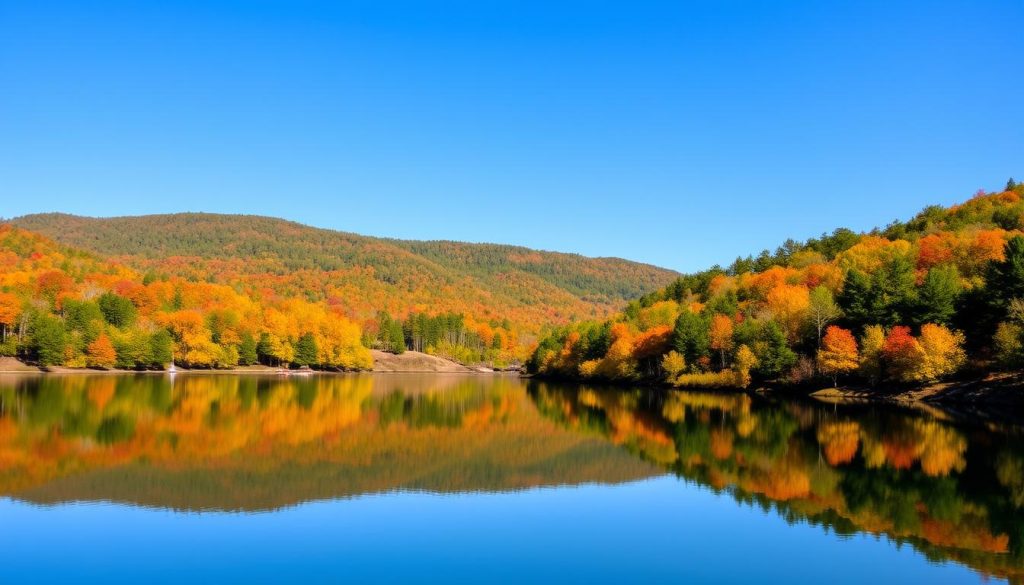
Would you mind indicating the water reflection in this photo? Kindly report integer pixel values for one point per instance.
(253, 443)
(244, 443)
(955, 493)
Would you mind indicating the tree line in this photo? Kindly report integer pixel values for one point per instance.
(450, 335)
(913, 302)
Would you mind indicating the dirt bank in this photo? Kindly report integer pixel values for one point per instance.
(991, 390)
(414, 361)
(9, 364)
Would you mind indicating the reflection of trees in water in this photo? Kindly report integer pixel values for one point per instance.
(256, 442)
(953, 493)
(252, 442)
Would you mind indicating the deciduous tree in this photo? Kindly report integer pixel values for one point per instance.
(101, 353)
(720, 335)
(838, 354)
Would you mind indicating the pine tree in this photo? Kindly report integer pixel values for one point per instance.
(247, 354)
(306, 351)
(396, 337)
(937, 296)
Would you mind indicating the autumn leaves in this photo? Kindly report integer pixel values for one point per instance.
(904, 305)
(61, 307)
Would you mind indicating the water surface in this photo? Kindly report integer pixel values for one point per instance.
(467, 479)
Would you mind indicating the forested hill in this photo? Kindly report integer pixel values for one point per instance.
(368, 274)
(911, 303)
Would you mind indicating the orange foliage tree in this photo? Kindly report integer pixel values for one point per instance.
(101, 353)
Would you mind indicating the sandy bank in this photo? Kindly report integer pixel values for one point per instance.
(414, 361)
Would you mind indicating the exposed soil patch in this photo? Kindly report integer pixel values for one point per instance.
(413, 361)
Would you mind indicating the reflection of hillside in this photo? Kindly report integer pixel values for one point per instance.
(953, 495)
(243, 442)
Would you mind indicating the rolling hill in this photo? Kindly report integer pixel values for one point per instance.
(362, 274)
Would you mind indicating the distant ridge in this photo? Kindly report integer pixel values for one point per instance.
(366, 274)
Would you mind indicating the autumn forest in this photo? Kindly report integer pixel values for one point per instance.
(937, 296)
(915, 302)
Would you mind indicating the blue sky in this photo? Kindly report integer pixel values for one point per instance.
(676, 133)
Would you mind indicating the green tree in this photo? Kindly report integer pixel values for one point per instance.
(48, 340)
(396, 337)
(892, 292)
(84, 317)
(1004, 281)
(134, 350)
(117, 310)
(768, 342)
(822, 310)
(691, 336)
(937, 296)
(264, 348)
(247, 353)
(160, 349)
(855, 299)
(306, 350)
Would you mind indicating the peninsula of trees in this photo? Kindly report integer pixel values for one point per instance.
(912, 303)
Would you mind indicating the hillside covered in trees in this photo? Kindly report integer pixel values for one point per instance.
(367, 274)
(911, 303)
(219, 291)
(62, 306)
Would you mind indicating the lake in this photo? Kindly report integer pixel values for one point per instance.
(207, 478)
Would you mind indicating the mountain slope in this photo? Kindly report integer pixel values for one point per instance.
(911, 304)
(361, 273)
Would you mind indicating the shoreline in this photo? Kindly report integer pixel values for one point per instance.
(407, 363)
(245, 372)
(985, 393)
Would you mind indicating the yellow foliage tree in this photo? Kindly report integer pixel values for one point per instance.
(745, 361)
(871, 345)
(838, 354)
(943, 352)
(789, 305)
(721, 335)
(673, 363)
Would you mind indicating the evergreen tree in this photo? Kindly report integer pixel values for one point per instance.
(691, 336)
(937, 296)
(1005, 280)
(265, 350)
(855, 299)
(768, 342)
(892, 292)
(247, 354)
(306, 351)
(396, 337)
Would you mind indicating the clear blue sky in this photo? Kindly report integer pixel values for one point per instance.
(676, 133)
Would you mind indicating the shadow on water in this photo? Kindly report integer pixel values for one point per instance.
(953, 490)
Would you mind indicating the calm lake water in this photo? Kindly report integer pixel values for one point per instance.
(470, 479)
